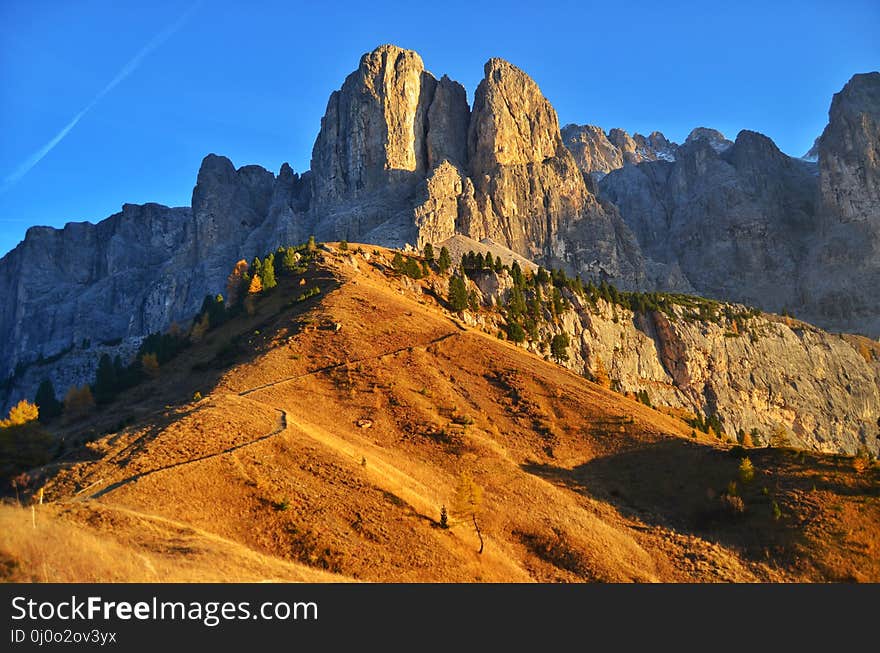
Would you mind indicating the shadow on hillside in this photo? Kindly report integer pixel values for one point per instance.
(680, 485)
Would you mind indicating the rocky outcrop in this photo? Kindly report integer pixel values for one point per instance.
(714, 138)
(814, 386)
(437, 214)
(528, 193)
(770, 374)
(597, 154)
(843, 284)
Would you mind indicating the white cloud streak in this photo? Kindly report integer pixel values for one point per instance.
(126, 70)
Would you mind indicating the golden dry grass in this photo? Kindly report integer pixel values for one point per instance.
(93, 543)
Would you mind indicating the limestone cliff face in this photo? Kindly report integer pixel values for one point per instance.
(813, 384)
(526, 183)
(374, 130)
(383, 133)
(527, 191)
(844, 280)
(776, 373)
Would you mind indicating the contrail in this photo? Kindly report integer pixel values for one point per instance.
(126, 70)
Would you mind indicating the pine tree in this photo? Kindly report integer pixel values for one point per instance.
(473, 301)
(515, 333)
(516, 303)
(311, 245)
(444, 262)
(397, 262)
(47, 402)
(288, 262)
(559, 347)
(267, 278)
(217, 311)
(256, 286)
(429, 252)
(541, 276)
(489, 262)
(516, 273)
(105, 380)
(458, 294)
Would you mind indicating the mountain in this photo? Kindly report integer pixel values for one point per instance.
(320, 440)
(736, 220)
(745, 222)
(401, 159)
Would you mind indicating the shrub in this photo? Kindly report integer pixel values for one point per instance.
(311, 292)
(343, 245)
(733, 504)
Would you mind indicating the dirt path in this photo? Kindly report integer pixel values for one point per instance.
(353, 361)
(282, 426)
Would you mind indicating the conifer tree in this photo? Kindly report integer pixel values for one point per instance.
(267, 278)
(458, 294)
(105, 380)
(288, 262)
(234, 282)
(429, 252)
(444, 262)
(559, 347)
(47, 402)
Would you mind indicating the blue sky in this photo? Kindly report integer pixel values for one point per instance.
(155, 90)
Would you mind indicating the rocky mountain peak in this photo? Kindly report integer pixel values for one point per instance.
(373, 131)
(716, 140)
(598, 154)
(849, 151)
(512, 122)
